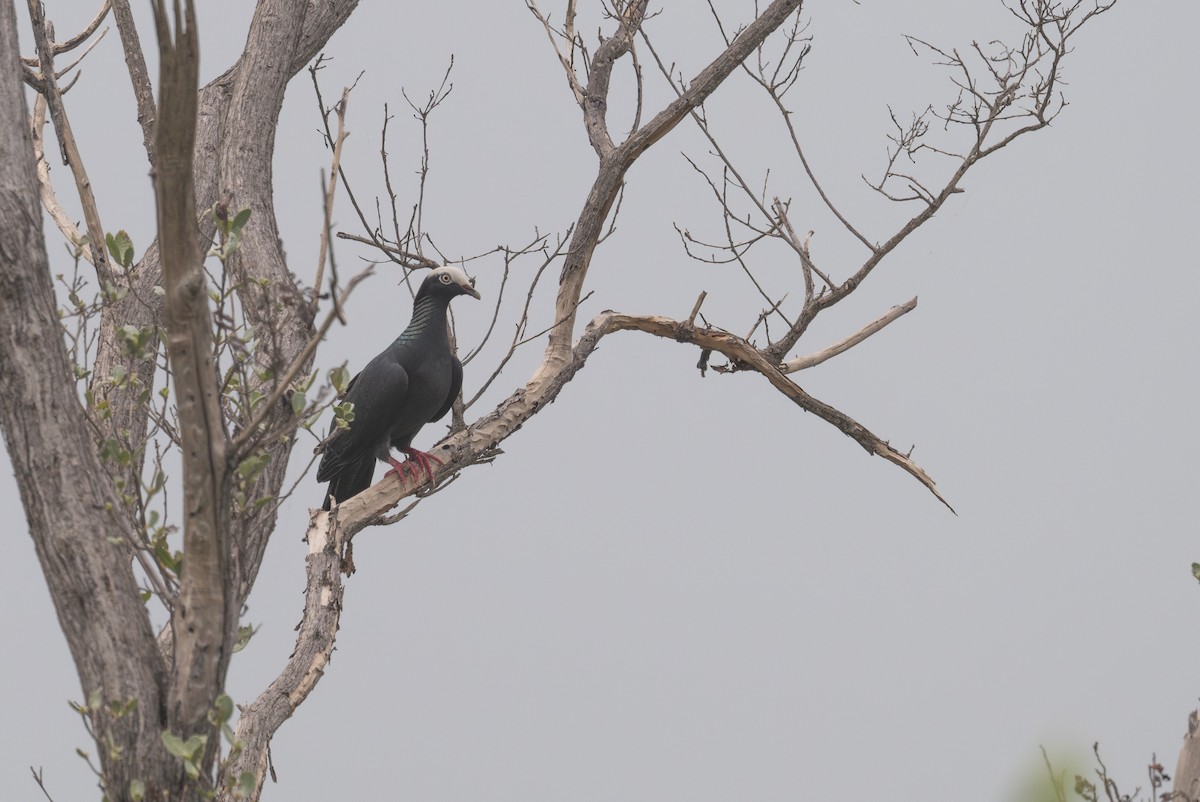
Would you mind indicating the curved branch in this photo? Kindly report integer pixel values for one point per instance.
(57, 48)
(745, 356)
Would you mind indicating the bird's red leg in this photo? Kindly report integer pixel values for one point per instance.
(397, 468)
(421, 460)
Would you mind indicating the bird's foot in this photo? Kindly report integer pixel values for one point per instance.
(416, 462)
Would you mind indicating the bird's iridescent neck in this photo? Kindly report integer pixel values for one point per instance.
(429, 317)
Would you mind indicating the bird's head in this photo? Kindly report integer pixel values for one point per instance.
(448, 281)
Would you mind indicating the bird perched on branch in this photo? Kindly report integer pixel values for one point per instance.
(413, 382)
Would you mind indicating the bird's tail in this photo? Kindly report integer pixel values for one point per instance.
(350, 481)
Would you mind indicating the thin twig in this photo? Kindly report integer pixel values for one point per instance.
(334, 168)
(800, 363)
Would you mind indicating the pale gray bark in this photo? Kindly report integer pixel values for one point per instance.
(1186, 787)
(203, 621)
(66, 491)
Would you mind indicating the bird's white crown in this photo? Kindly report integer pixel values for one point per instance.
(456, 274)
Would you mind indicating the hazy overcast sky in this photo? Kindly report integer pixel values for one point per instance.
(676, 588)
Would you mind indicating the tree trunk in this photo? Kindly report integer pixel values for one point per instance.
(66, 490)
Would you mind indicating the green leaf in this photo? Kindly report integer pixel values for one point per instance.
(118, 374)
(222, 710)
(240, 221)
(249, 468)
(111, 449)
(299, 402)
(339, 377)
(137, 790)
(244, 634)
(246, 783)
(188, 751)
(1196, 571)
(94, 699)
(195, 745)
(172, 561)
(175, 745)
(120, 247)
(343, 415)
(135, 339)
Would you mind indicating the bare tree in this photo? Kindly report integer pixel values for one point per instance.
(214, 358)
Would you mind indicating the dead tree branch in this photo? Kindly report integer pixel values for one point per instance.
(139, 76)
(67, 143)
(812, 360)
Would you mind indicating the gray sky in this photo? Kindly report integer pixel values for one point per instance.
(681, 588)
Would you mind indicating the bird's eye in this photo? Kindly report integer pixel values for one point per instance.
(444, 278)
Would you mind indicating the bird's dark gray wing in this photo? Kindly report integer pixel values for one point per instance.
(376, 393)
(455, 386)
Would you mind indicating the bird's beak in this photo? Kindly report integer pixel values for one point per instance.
(469, 289)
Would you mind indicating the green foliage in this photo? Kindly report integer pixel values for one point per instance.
(229, 231)
(96, 714)
(222, 710)
(253, 465)
(120, 247)
(112, 295)
(113, 450)
(343, 415)
(136, 339)
(244, 634)
(95, 705)
(245, 786)
(191, 751)
(339, 377)
(167, 559)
